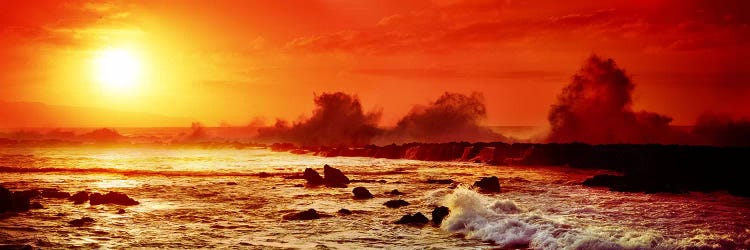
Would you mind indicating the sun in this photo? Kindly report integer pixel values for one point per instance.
(117, 69)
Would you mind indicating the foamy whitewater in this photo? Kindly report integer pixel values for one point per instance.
(186, 202)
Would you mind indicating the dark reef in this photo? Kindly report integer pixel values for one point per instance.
(642, 167)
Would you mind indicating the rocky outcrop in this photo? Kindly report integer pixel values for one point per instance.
(396, 203)
(14, 201)
(312, 177)
(438, 214)
(333, 177)
(309, 214)
(488, 185)
(85, 221)
(344, 211)
(415, 219)
(55, 194)
(361, 193)
(116, 198)
(395, 192)
(80, 197)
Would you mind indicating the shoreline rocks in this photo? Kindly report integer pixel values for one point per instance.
(416, 219)
(309, 214)
(116, 198)
(312, 177)
(438, 214)
(396, 203)
(361, 193)
(333, 177)
(488, 184)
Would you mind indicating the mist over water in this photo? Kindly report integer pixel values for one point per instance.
(187, 203)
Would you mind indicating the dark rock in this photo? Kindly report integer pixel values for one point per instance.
(344, 211)
(312, 177)
(60, 214)
(603, 180)
(395, 192)
(416, 219)
(20, 202)
(396, 203)
(361, 193)
(6, 199)
(15, 247)
(438, 214)
(334, 177)
(439, 181)
(120, 211)
(27, 194)
(231, 183)
(488, 184)
(81, 222)
(36, 205)
(112, 198)
(56, 194)
(298, 185)
(80, 197)
(309, 214)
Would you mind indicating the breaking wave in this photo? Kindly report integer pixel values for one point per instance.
(504, 223)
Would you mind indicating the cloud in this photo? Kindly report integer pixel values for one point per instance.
(596, 107)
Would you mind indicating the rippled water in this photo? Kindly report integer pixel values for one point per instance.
(186, 203)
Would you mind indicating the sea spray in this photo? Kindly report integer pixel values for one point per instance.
(505, 224)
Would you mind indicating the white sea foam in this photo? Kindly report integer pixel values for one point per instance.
(507, 225)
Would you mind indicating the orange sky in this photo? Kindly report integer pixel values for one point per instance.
(232, 61)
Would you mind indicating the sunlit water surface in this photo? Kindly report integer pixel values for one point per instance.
(186, 203)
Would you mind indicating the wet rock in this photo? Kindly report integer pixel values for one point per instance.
(27, 194)
(231, 183)
(15, 247)
(120, 211)
(361, 193)
(438, 214)
(80, 197)
(312, 177)
(395, 192)
(112, 198)
(36, 205)
(416, 219)
(396, 203)
(55, 194)
(333, 177)
(14, 201)
(309, 214)
(85, 221)
(344, 211)
(298, 185)
(488, 184)
(439, 181)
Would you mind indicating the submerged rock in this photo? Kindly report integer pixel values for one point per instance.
(396, 203)
(81, 222)
(361, 193)
(36, 205)
(395, 192)
(416, 219)
(80, 197)
(309, 214)
(344, 211)
(53, 193)
(231, 183)
(333, 177)
(112, 198)
(312, 177)
(488, 184)
(438, 214)
(120, 211)
(439, 181)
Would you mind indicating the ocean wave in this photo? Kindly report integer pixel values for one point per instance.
(504, 223)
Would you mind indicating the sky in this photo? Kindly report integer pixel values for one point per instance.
(235, 62)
